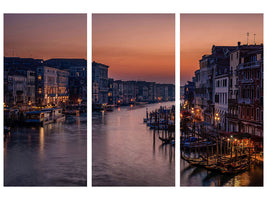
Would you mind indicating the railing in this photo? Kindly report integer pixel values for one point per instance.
(247, 81)
(228, 115)
(254, 64)
(244, 100)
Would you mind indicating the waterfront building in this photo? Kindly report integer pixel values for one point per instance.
(78, 84)
(171, 92)
(16, 90)
(189, 90)
(100, 76)
(51, 86)
(182, 91)
(20, 67)
(95, 92)
(118, 92)
(221, 95)
(205, 84)
(203, 88)
(129, 92)
(250, 86)
(142, 91)
(162, 92)
(235, 60)
(110, 91)
(63, 87)
(198, 94)
(31, 76)
(77, 69)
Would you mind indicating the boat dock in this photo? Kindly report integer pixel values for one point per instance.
(215, 150)
(162, 120)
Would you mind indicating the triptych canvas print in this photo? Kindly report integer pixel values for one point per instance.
(143, 131)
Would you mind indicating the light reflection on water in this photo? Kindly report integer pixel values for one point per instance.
(198, 176)
(53, 155)
(127, 153)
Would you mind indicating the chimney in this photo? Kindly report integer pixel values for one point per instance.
(239, 43)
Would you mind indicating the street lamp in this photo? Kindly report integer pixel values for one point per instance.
(217, 119)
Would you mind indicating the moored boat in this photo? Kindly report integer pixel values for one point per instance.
(37, 117)
(109, 107)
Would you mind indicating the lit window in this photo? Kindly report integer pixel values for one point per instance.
(39, 77)
(40, 90)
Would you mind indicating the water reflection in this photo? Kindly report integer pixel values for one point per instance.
(53, 155)
(41, 141)
(198, 176)
(127, 153)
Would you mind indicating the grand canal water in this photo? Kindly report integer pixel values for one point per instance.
(198, 176)
(53, 155)
(125, 153)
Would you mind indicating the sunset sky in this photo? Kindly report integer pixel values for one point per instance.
(200, 31)
(135, 46)
(45, 35)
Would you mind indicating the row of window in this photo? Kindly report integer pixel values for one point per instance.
(221, 98)
(247, 75)
(249, 92)
(221, 83)
(248, 113)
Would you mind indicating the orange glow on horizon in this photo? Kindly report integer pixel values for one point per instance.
(135, 46)
(45, 36)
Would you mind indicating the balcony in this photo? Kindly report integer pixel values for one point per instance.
(245, 101)
(247, 81)
(232, 102)
(248, 65)
(233, 116)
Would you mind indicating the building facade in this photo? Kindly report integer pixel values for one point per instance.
(51, 86)
(100, 76)
(221, 98)
(250, 101)
(16, 90)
